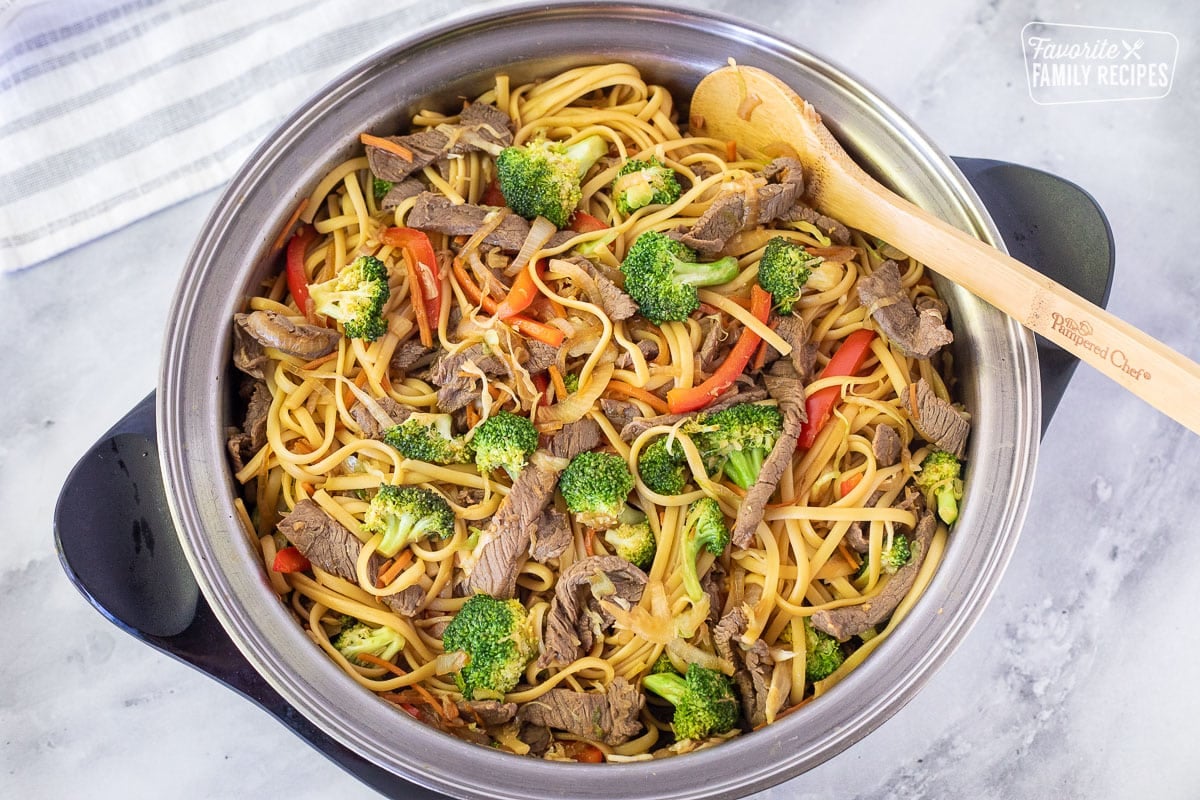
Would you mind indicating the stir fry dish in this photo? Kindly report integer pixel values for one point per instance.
(575, 434)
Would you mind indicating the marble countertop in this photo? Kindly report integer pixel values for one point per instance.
(1054, 692)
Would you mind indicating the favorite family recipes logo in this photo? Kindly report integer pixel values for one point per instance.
(1086, 64)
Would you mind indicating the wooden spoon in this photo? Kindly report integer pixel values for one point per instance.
(760, 113)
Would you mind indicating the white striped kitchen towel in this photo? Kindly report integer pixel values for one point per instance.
(113, 109)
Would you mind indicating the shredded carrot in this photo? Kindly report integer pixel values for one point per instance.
(316, 362)
(556, 307)
(624, 389)
(360, 382)
(847, 485)
(731, 150)
(472, 416)
(915, 413)
(560, 386)
(291, 223)
(386, 144)
(760, 357)
(379, 662)
(392, 569)
(589, 542)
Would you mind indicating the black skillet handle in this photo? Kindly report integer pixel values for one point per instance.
(1058, 229)
(118, 545)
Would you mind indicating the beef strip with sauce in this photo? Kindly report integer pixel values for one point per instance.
(574, 438)
(480, 126)
(328, 545)
(787, 388)
(457, 388)
(551, 535)
(435, 212)
(848, 621)
(649, 351)
(917, 334)
(576, 617)
(610, 297)
(272, 329)
(754, 668)
(399, 192)
(611, 717)
(372, 426)
(619, 412)
(885, 445)
(938, 422)
(244, 442)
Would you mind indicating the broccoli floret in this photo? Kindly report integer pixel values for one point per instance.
(357, 638)
(380, 188)
(783, 271)
(542, 177)
(823, 653)
(571, 382)
(663, 466)
(632, 539)
(940, 479)
(661, 275)
(498, 637)
(896, 556)
(703, 698)
(703, 529)
(595, 486)
(737, 440)
(504, 440)
(404, 514)
(642, 183)
(662, 665)
(429, 438)
(355, 297)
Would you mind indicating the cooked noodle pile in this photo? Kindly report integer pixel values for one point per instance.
(814, 577)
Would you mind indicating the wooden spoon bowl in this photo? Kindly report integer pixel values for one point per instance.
(764, 116)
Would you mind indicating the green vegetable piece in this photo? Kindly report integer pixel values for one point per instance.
(542, 178)
(661, 275)
(643, 183)
(783, 270)
(357, 638)
(499, 639)
(940, 479)
(823, 653)
(429, 438)
(703, 698)
(404, 514)
(504, 441)
(595, 486)
(704, 528)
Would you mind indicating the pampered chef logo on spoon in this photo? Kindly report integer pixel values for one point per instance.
(1088, 64)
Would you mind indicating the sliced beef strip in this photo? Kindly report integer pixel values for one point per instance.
(372, 426)
(649, 349)
(619, 412)
(938, 422)
(249, 355)
(551, 535)
(847, 621)
(575, 437)
(457, 388)
(487, 713)
(328, 545)
(576, 616)
(488, 122)
(611, 717)
(540, 356)
(244, 442)
(752, 678)
(435, 212)
(406, 602)
(411, 356)
(508, 534)
(735, 211)
(794, 330)
(636, 427)
(885, 444)
(918, 335)
(857, 537)
(613, 299)
(785, 386)
(710, 344)
(409, 187)
(272, 329)
(800, 212)
(713, 584)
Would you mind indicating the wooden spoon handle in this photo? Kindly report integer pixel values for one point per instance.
(1145, 366)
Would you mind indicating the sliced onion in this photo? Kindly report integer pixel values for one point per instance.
(491, 221)
(453, 661)
(573, 407)
(690, 654)
(540, 232)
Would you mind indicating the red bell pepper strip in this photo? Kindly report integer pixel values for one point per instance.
(290, 559)
(526, 326)
(492, 196)
(683, 401)
(523, 291)
(297, 278)
(584, 222)
(422, 264)
(846, 360)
